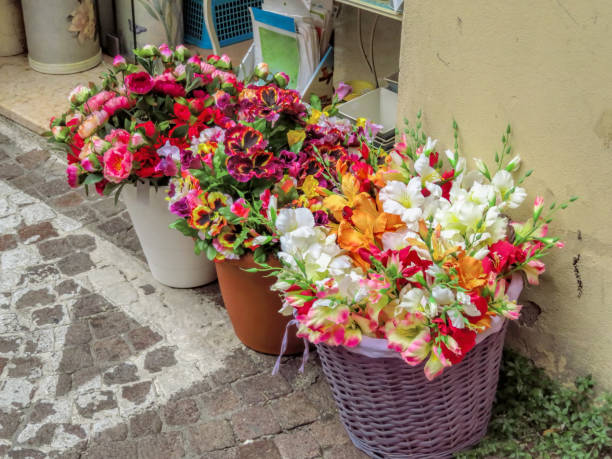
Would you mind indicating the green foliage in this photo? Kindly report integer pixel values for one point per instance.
(534, 416)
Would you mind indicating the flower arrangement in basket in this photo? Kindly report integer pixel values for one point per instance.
(123, 131)
(408, 272)
(414, 252)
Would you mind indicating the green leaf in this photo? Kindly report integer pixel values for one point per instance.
(259, 255)
(211, 253)
(180, 131)
(182, 226)
(315, 102)
(200, 246)
(92, 178)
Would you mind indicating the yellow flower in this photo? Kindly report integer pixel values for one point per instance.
(314, 116)
(310, 187)
(295, 136)
(361, 122)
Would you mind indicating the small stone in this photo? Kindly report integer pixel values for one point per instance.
(114, 226)
(258, 449)
(236, 366)
(112, 434)
(321, 397)
(111, 350)
(159, 358)
(181, 412)
(10, 171)
(48, 316)
(37, 233)
(218, 402)
(345, 452)
(67, 287)
(41, 411)
(26, 454)
(32, 158)
(75, 264)
(167, 445)
(40, 342)
(254, 422)
(64, 384)
(90, 403)
(147, 289)
(195, 389)
(9, 423)
(25, 367)
(137, 393)
(260, 388)
(70, 199)
(77, 333)
(38, 297)
(143, 338)
(43, 436)
(329, 433)
(210, 436)
(39, 273)
(85, 375)
(74, 358)
(81, 241)
(147, 423)
(121, 374)
(53, 187)
(294, 410)
(89, 305)
(114, 450)
(299, 444)
(55, 248)
(110, 323)
(9, 344)
(3, 362)
(7, 242)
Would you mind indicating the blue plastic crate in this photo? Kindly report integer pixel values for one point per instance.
(231, 18)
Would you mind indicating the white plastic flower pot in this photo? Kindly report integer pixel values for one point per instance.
(169, 254)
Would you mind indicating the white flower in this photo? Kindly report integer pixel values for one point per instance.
(170, 151)
(403, 200)
(456, 318)
(430, 145)
(504, 183)
(442, 295)
(291, 220)
(425, 171)
(411, 299)
(468, 307)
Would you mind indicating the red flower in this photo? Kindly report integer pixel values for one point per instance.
(147, 159)
(149, 128)
(139, 83)
(182, 112)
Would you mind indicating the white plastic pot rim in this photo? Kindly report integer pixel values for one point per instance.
(376, 348)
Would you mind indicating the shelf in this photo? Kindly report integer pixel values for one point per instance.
(373, 8)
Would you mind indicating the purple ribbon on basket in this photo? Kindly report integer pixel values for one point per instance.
(284, 348)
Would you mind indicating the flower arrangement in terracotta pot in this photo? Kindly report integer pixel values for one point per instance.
(238, 174)
(406, 286)
(123, 132)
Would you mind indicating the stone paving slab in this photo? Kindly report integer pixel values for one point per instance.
(98, 360)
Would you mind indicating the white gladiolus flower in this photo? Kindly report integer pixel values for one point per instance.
(442, 295)
(411, 299)
(403, 200)
(456, 318)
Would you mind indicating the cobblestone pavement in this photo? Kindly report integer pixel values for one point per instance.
(98, 360)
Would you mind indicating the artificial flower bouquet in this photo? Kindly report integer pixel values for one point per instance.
(417, 251)
(127, 129)
(277, 152)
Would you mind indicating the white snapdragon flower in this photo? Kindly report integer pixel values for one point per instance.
(504, 182)
(411, 300)
(404, 200)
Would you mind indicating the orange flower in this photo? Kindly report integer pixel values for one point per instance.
(470, 273)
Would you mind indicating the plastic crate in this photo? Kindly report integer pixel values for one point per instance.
(231, 19)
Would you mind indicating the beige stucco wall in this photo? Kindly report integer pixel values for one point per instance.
(545, 67)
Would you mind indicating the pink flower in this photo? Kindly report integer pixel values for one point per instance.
(116, 103)
(139, 83)
(538, 205)
(240, 209)
(117, 163)
(79, 94)
(170, 88)
(196, 60)
(136, 140)
(179, 70)
(118, 60)
(120, 136)
(282, 79)
(96, 101)
(99, 145)
(343, 90)
(100, 186)
(207, 68)
(72, 174)
(165, 51)
(90, 163)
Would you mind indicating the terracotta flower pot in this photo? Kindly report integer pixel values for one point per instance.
(253, 307)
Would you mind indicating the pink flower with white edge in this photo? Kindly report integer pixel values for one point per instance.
(196, 60)
(60, 133)
(207, 68)
(166, 52)
(538, 205)
(72, 175)
(90, 163)
(120, 136)
(136, 140)
(179, 70)
(79, 94)
(99, 145)
(117, 163)
(116, 103)
(118, 60)
(95, 102)
(239, 208)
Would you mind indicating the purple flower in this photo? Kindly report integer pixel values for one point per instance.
(343, 90)
(320, 217)
(167, 167)
(180, 208)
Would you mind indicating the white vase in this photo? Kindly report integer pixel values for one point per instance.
(62, 35)
(169, 254)
(12, 36)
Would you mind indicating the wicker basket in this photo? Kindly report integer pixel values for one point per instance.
(390, 410)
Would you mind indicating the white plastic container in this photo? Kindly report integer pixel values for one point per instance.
(169, 254)
(379, 106)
